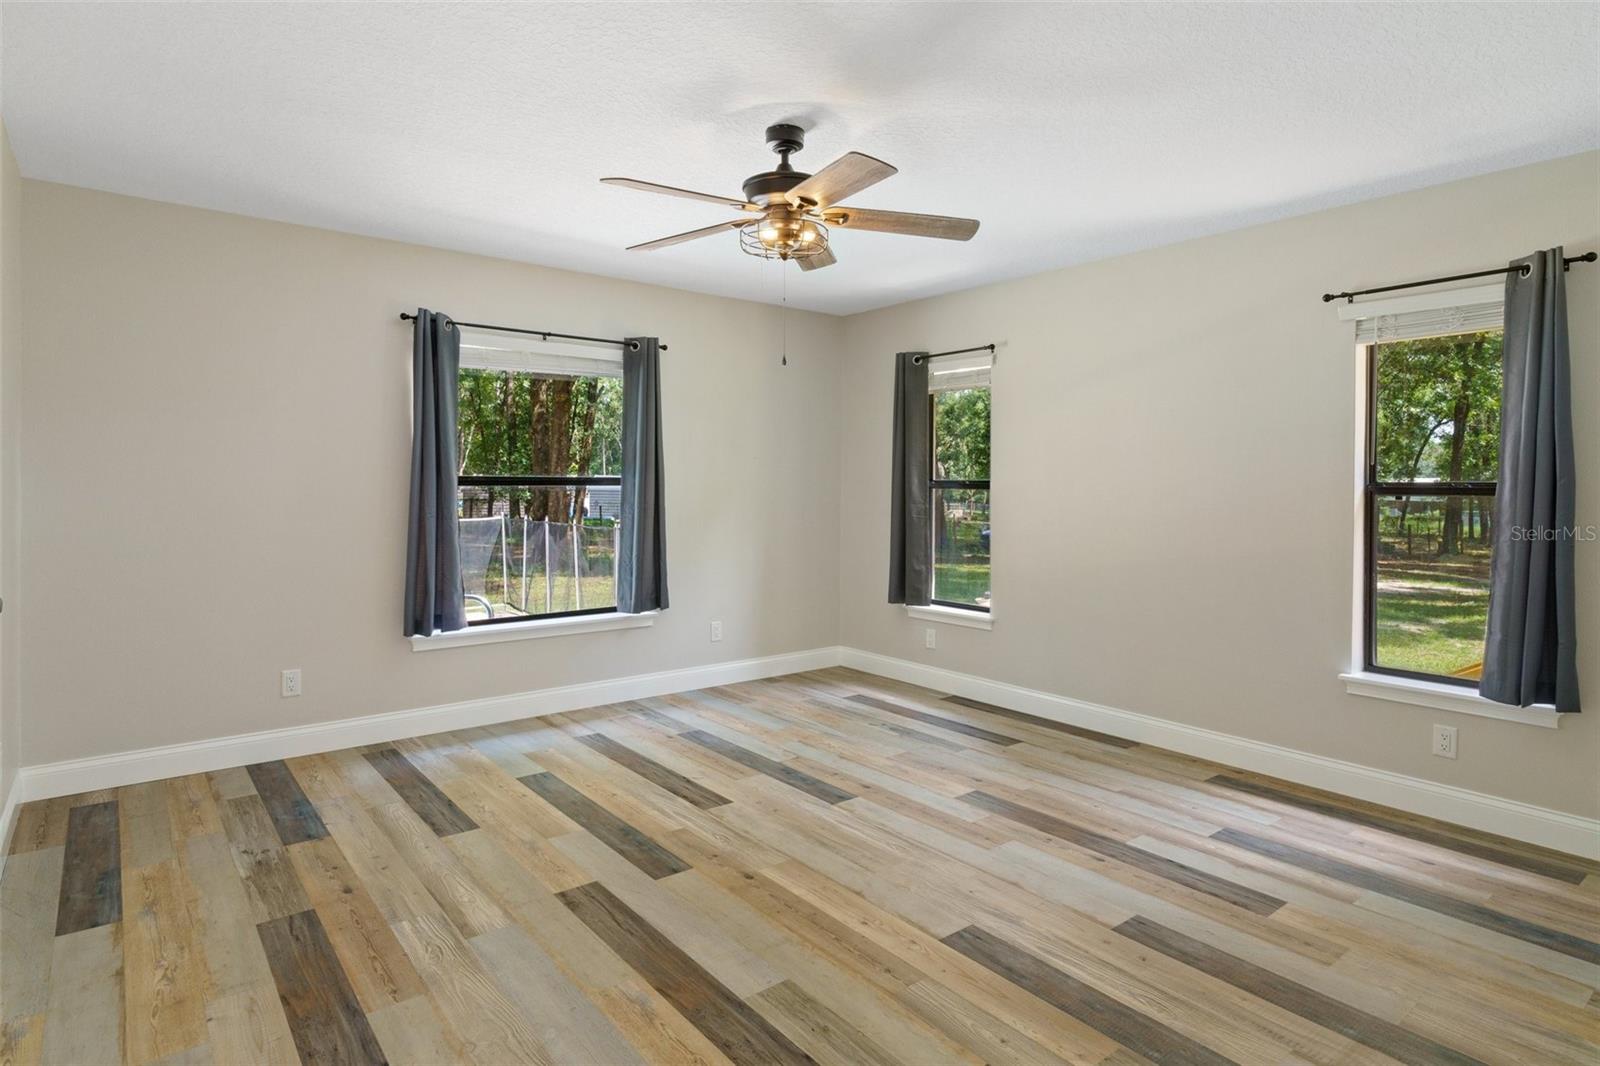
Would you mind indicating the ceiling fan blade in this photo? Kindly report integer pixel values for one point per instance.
(817, 262)
(845, 176)
(687, 194)
(913, 225)
(692, 235)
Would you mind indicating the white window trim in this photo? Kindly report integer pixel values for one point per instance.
(1443, 697)
(532, 629)
(954, 616)
(1437, 695)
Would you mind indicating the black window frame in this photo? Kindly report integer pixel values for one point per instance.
(934, 484)
(1373, 491)
(535, 481)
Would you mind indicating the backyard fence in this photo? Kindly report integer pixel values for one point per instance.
(538, 566)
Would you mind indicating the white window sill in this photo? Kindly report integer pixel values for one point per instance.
(953, 616)
(532, 629)
(1446, 698)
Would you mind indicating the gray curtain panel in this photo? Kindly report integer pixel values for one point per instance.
(434, 598)
(642, 555)
(910, 525)
(1531, 654)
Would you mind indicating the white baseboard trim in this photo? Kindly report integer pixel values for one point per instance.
(9, 803)
(1570, 833)
(149, 764)
(1522, 821)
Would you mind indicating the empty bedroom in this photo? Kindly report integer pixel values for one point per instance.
(604, 534)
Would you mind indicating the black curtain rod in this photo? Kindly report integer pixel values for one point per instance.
(1350, 297)
(956, 351)
(546, 334)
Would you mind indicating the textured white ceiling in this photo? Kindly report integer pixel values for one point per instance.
(1073, 132)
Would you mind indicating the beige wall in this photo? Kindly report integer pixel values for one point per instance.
(1173, 499)
(218, 417)
(217, 420)
(10, 465)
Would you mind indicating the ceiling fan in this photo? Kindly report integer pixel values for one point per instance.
(788, 213)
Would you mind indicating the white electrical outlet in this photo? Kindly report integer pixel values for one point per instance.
(1444, 741)
(928, 638)
(291, 683)
(716, 632)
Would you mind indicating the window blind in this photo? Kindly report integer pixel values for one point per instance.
(1431, 314)
(955, 372)
(485, 350)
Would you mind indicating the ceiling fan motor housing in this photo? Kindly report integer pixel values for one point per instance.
(768, 186)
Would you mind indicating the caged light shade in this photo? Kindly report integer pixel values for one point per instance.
(784, 236)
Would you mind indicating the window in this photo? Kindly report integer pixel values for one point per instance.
(539, 441)
(1432, 458)
(958, 397)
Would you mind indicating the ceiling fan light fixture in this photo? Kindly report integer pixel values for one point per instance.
(783, 237)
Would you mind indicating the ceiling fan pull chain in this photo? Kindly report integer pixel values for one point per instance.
(783, 312)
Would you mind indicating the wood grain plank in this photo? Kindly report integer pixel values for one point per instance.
(192, 808)
(91, 870)
(40, 824)
(231, 783)
(293, 815)
(1177, 872)
(421, 795)
(670, 780)
(1358, 1025)
(144, 824)
(426, 858)
(22, 1040)
(164, 972)
(703, 936)
(247, 1027)
(966, 729)
(772, 768)
(1043, 723)
(413, 1032)
(575, 1030)
(372, 958)
(823, 1034)
(1462, 910)
(727, 1021)
(491, 1028)
(606, 827)
(317, 999)
(259, 857)
(84, 1022)
(225, 920)
(1140, 1034)
(28, 894)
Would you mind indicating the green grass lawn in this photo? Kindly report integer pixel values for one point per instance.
(599, 590)
(1431, 613)
(961, 583)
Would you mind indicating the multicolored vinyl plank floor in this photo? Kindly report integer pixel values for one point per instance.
(824, 867)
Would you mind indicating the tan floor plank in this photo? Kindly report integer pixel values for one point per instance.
(28, 894)
(22, 1040)
(192, 808)
(491, 1027)
(84, 1021)
(246, 1025)
(40, 824)
(412, 1033)
(379, 971)
(165, 978)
